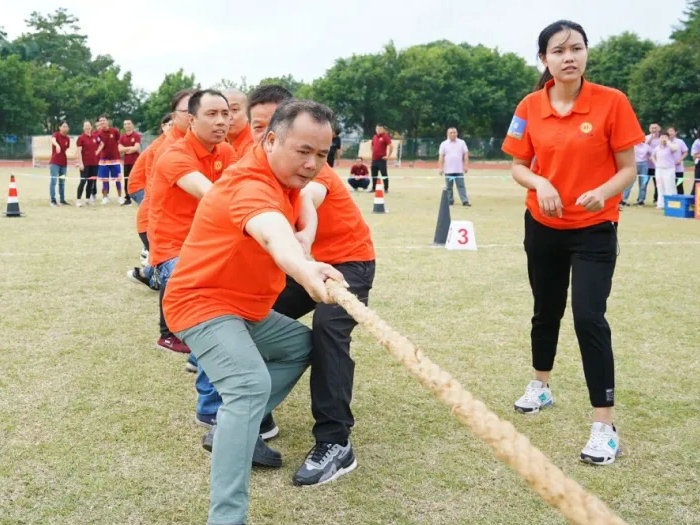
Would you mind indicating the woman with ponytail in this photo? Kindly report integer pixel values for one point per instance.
(572, 144)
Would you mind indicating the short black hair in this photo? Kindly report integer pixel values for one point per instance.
(287, 112)
(103, 116)
(271, 93)
(196, 99)
(177, 97)
(166, 118)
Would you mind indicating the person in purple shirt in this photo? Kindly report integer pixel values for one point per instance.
(665, 162)
(453, 161)
(680, 152)
(653, 140)
(642, 152)
(695, 155)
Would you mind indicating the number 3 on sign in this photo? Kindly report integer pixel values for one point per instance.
(461, 236)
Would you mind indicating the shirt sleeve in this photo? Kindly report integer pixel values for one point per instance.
(464, 145)
(625, 131)
(518, 142)
(252, 198)
(174, 165)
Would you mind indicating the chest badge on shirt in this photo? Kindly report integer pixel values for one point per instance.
(586, 128)
(517, 127)
(218, 165)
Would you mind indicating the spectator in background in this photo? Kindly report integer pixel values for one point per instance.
(653, 140)
(381, 151)
(680, 152)
(359, 175)
(87, 163)
(109, 163)
(695, 154)
(642, 152)
(453, 161)
(130, 146)
(334, 152)
(59, 163)
(665, 162)
(239, 134)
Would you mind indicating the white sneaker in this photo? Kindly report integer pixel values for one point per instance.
(79, 203)
(603, 446)
(105, 200)
(92, 200)
(536, 396)
(122, 200)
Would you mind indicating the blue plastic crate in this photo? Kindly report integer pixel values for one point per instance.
(682, 206)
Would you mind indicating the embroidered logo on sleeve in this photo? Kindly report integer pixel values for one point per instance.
(517, 127)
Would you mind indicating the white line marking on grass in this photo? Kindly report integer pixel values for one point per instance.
(520, 245)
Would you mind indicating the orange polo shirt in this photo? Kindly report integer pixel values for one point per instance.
(575, 152)
(137, 176)
(242, 143)
(222, 270)
(172, 208)
(158, 148)
(342, 234)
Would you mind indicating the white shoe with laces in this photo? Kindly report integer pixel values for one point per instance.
(121, 200)
(105, 200)
(603, 446)
(536, 397)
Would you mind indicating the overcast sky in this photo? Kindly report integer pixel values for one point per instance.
(217, 39)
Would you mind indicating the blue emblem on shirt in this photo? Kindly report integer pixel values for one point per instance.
(517, 127)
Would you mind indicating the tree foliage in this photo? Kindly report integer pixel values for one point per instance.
(20, 108)
(158, 103)
(612, 61)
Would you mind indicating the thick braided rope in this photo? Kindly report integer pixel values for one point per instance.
(513, 448)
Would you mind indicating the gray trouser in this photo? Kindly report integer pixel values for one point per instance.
(253, 366)
(458, 179)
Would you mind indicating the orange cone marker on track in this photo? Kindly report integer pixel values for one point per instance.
(12, 200)
(379, 198)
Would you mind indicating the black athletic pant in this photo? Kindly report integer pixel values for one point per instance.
(87, 181)
(127, 170)
(652, 173)
(144, 240)
(697, 180)
(679, 182)
(376, 167)
(332, 368)
(588, 255)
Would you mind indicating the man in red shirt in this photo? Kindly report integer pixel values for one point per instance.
(59, 164)
(230, 271)
(182, 175)
(381, 151)
(109, 165)
(87, 144)
(130, 146)
(359, 175)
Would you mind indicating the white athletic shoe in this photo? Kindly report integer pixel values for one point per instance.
(105, 200)
(603, 446)
(92, 200)
(79, 203)
(536, 397)
(122, 200)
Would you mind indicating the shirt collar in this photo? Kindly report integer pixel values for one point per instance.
(581, 105)
(198, 147)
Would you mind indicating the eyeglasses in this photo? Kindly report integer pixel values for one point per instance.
(182, 111)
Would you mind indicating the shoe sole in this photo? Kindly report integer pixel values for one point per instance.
(335, 476)
(589, 460)
(130, 276)
(532, 410)
(202, 423)
(265, 436)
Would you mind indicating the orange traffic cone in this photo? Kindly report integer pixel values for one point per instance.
(12, 200)
(379, 197)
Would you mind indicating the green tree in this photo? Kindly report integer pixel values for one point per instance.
(665, 87)
(286, 81)
(689, 31)
(20, 108)
(158, 103)
(612, 61)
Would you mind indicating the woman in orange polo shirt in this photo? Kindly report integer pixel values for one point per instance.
(572, 144)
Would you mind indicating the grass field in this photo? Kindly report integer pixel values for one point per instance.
(96, 426)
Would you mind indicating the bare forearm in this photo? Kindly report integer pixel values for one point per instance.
(525, 177)
(615, 185)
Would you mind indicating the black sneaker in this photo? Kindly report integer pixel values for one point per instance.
(466, 204)
(268, 428)
(325, 462)
(263, 456)
(135, 276)
(64, 203)
(205, 420)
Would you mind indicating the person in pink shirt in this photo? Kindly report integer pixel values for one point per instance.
(653, 140)
(665, 162)
(680, 152)
(695, 155)
(453, 162)
(642, 152)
